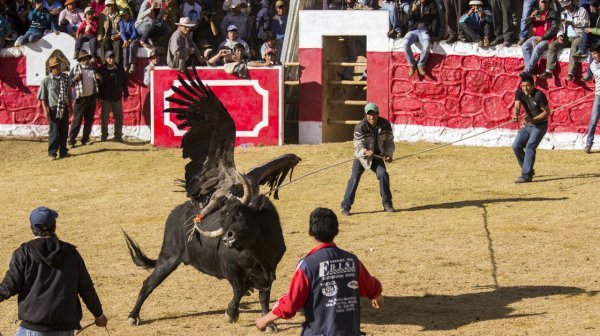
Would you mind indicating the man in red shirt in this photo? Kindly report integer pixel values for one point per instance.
(327, 284)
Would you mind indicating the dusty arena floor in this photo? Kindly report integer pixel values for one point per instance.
(468, 253)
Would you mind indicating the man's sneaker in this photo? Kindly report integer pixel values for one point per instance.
(421, 70)
(345, 212)
(64, 155)
(51, 157)
(545, 75)
(72, 144)
(587, 149)
(411, 70)
(580, 55)
(118, 140)
(389, 208)
(523, 179)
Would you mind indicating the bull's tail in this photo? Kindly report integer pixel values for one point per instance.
(139, 258)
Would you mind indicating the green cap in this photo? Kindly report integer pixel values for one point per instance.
(371, 107)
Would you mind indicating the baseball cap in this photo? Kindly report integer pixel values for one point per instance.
(371, 107)
(231, 27)
(43, 219)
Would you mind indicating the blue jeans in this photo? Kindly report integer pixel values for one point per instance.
(392, 10)
(149, 29)
(593, 121)
(525, 146)
(28, 37)
(532, 54)
(527, 10)
(378, 167)
(424, 39)
(26, 332)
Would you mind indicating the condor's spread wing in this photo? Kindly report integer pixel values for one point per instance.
(272, 173)
(209, 142)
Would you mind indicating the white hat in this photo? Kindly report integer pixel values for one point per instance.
(185, 21)
(471, 3)
(109, 2)
(231, 27)
(564, 2)
(235, 3)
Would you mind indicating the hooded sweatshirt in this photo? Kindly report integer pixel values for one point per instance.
(48, 275)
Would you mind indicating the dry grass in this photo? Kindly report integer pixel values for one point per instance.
(463, 229)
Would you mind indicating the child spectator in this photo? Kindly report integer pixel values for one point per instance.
(17, 11)
(70, 18)
(6, 31)
(268, 61)
(154, 62)
(149, 23)
(236, 18)
(223, 56)
(424, 20)
(112, 87)
(476, 25)
(592, 35)
(269, 43)
(543, 23)
(87, 33)
(233, 39)
(40, 23)
(130, 39)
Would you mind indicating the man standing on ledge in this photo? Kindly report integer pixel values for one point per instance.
(534, 126)
(373, 143)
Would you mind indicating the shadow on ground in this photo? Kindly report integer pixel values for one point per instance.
(446, 312)
(483, 202)
(102, 150)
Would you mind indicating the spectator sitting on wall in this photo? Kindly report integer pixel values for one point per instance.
(109, 37)
(98, 6)
(424, 20)
(149, 23)
(181, 47)
(573, 20)
(6, 31)
(87, 33)
(396, 30)
(49, 277)
(268, 61)
(543, 24)
(154, 61)
(233, 39)
(269, 43)
(236, 18)
(130, 39)
(112, 87)
(70, 18)
(16, 11)
(476, 25)
(190, 9)
(587, 38)
(40, 24)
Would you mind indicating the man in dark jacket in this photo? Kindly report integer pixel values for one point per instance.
(48, 275)
(112, 87)
(423, 26)
(373, 144)
(327, 284)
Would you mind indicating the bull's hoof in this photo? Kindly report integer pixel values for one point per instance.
(133, 321)
(271, 328)
(231, 319)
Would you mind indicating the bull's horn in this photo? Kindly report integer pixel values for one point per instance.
(247, 194)
(211, 234)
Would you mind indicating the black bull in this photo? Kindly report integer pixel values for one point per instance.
(246, 255)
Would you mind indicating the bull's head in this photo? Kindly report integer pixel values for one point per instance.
(239, 224)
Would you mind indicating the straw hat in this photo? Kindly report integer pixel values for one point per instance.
(54, 61)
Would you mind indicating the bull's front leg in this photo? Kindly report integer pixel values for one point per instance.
(233, 309)
(264, 297)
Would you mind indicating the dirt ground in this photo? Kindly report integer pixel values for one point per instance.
(468, 253)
